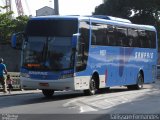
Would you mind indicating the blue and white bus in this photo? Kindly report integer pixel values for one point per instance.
(87, 53)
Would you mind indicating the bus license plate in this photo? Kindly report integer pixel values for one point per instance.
(44, 84)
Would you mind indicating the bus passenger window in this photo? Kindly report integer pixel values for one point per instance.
(83, 47)
(133, 38)
(110, 35)
(130, 42)
(143, 39)
(93, 38)
(111, 38)
(151, 37)
(130, 38)
(121, 36)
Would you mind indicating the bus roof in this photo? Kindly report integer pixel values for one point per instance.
(100, 19)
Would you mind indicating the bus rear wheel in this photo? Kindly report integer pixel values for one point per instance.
(48, 93)
(92, 88)
(140, 81)
(139, 85)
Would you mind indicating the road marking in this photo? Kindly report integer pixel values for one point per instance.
(85, 107)
(106, 101)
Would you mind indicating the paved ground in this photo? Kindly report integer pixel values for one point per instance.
(153, 85)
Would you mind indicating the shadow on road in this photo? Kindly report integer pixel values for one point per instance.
(27, 99)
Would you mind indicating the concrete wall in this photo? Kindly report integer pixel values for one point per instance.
(11, 57)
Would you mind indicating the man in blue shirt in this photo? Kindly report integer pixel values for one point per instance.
(2, 78)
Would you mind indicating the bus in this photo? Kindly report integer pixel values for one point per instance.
(86, 53)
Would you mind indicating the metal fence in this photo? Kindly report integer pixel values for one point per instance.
(15, 76)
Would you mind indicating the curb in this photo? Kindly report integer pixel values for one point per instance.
(13, 93)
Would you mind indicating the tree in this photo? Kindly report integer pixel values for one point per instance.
(19, 23)
(135, 10)
(5, 26)
(114, 8)
(8, 25)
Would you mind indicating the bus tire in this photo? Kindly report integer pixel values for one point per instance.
(139, 84)
(48, 93)
(140, 81)
(92, 88)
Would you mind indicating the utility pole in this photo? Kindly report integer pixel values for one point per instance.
(19, 7)
(8, 4)
(8, 7)
(56, 7)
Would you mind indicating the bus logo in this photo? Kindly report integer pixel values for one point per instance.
(144, 55)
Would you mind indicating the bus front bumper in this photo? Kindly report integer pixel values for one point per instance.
(61, 84)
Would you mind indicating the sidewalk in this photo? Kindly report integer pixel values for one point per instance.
(20, 92)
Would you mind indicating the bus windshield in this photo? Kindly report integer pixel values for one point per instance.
(48, 53)
(50, 49)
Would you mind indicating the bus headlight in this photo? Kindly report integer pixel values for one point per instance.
(66, 76)
(24, 75)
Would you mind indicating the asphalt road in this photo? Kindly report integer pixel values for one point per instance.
(74, 105)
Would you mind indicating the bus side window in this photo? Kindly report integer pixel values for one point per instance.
(140, 38)
(130, 38)
(83, 47)
(98, 34)
(111, 35)
(93, 39)
(107, 39)
(143, 39)
(80, 54)
(133, 38)
(121, 36)
(151, 36)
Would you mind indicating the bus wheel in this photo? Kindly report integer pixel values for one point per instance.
(48, 93)
(92, 88)
(140, 81)
(139, 84)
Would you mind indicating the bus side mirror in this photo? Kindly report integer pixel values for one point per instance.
(17, 40)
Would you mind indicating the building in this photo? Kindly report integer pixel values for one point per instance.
(45, 11)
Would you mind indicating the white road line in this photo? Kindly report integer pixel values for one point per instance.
(72, 101)
(85, 107)
(106, 101)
